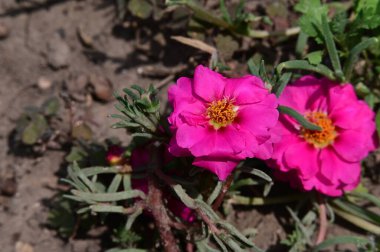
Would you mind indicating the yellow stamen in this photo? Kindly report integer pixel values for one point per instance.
(221, 113)
(323, 138)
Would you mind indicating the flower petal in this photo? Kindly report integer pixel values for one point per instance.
(338, 170)
(245, 90)
(187, 136)
(257, 118)
(208, 85)
(352, 145)
(221, 167)
(353, 116)
(302, 157)
(224, 142)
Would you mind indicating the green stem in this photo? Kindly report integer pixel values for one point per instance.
(259, 201)
(354, 54)
(305, 65)
(299, 118)
(331, 48)
(358, 221)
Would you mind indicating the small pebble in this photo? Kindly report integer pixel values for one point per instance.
(102, 88)
(44, 83)
(8, 187)
(58, 52)
(23, 247)
(4, 31)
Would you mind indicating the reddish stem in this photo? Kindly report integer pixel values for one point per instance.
(160, 215)
(220, 197)
(322, 219)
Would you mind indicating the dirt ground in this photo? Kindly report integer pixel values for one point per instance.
(35, 31)
(42, 44)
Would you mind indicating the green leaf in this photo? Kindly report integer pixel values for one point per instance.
(82, 131)
(185, 198)
(243, 182)
(107, 209)
(225, 13)
(311, 19)
(207, 209)
(109, 197)
(338, 23)
(367, 14)
(115, 184)
(367, 196)
(220, 243)
(358, 211)
(138, 89)
(315, 57)
(257, 173)
(131, 94)
(234, 232)
(301, 43)
(354, 55)
(331, 48)
(305, 65)
(378, 122)
(341, 240)
(140, 8)
(51, 106)
(299, 118)
(76, 154)
(127, 182)
(62, 217)
(91, 171)
(282, 82)
(132, 218)
(35, 129)
(359, 222)
(215, 192)
(261, 201)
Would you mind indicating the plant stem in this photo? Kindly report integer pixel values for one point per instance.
(258, 201)
(213, 228)
(225, 188)
(322, 219)
(370, 227)
(160, 215)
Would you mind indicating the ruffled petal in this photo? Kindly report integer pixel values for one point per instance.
(341, 96)
(337, 170)
(187, 136)
(245, 90)
(224, 142)
(208, 85)
(221, 167)
(177, 151)
(304, 158)
(305, 94)
(352, 145)
(257, 118)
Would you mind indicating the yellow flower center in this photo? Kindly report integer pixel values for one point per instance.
(323, 138)
(221, 113)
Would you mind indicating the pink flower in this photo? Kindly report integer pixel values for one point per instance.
(221, 121)
(327, 160)
(115, 155)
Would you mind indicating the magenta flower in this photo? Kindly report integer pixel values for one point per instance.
(115, 155)
(221, 121)
(327, 160)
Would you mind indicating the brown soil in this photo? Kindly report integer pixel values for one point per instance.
(43, 42)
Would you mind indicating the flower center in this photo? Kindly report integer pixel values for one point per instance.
(323, 138)
(221, 113)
